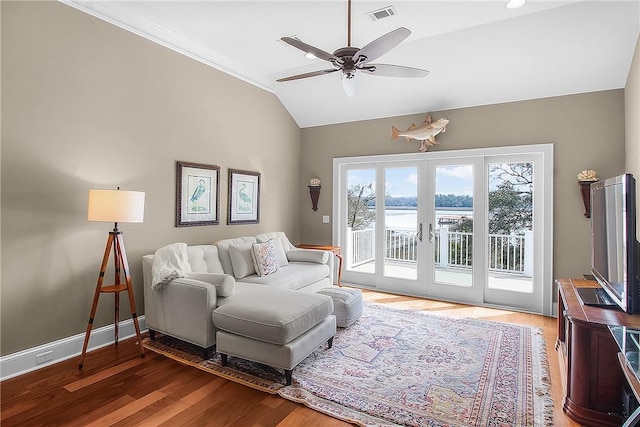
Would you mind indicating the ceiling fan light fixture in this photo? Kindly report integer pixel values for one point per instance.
(350, 84)
(514, 4)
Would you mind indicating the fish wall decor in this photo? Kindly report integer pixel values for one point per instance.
(425, 133)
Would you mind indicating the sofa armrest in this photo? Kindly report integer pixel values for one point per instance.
(308, 255)
(183, 309)
(224, 283)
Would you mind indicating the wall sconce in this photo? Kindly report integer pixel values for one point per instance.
(314, 192)
(585, 179)
(585, 192)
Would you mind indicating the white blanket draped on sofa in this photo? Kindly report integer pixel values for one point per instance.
(169, 262)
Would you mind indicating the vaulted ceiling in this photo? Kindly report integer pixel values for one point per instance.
(477, 52)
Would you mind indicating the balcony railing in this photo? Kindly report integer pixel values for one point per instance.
(452, 249)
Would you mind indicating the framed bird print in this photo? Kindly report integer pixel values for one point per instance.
(244, 197)
(197, 194)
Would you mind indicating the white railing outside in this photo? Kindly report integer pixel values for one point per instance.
(506, 253)
(460, 248)
(362, 246)
(452, 249)
(402, 244)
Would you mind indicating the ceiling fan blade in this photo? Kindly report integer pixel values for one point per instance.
(381, 45)
(305, 75)
(393, 70)
(318, 53)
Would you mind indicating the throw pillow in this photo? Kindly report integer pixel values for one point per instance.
(241, 260)
(281, 255)
(264, 258)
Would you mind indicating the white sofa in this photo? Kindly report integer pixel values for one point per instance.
(219, 272)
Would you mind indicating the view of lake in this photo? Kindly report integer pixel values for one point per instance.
(407, 218)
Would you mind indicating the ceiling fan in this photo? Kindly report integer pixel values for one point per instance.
(350, 60)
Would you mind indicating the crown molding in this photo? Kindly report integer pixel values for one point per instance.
(112, 13)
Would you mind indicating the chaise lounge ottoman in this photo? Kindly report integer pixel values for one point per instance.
(347, 303)
(277, 327)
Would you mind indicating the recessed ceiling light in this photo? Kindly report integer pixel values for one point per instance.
(310, 56)
(514, 4)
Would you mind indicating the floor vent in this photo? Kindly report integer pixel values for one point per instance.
(385, 12)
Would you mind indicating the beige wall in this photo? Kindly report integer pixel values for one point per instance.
(632, 124)
(88, 105)
(587, 131)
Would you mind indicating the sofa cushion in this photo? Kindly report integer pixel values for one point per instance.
(204, 259)
(281, 255)
(286, 244)
(270, 314)
(264, 258)
(296, 275)
(223, 251)
(240, 254)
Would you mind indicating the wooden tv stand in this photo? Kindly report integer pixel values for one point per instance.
(588, 355)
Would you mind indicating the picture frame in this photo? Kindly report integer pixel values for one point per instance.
(197, 194)
(244, 197)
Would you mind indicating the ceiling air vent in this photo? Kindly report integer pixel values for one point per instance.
(382, 13)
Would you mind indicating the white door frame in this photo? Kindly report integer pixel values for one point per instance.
(545, 256)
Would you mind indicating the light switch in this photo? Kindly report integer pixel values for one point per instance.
(325, 219)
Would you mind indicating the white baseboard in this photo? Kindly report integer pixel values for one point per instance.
(24, 361)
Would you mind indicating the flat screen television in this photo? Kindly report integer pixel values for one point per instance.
(615, 260)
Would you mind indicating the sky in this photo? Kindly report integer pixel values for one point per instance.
(457, 180)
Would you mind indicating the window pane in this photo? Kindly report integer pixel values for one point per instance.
(510, 222)
(453, 230)
(361, 224)
(400, 222)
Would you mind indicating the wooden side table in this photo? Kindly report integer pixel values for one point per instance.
(334, 249)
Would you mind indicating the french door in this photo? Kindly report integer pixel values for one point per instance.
(454, 233)
(466, 226)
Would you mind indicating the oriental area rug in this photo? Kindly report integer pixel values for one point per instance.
(409, 368)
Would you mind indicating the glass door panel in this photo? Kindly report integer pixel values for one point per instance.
(361, 221)
(401, 222)
(510, 225)
(453, 228)
(514, 223)
(452, 232)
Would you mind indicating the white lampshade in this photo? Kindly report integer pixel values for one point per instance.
(116, 206)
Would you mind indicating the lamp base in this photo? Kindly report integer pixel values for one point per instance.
(115, 242)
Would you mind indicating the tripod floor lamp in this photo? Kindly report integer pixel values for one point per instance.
(114, 206)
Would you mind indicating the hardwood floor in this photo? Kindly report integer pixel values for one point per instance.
(118, 387)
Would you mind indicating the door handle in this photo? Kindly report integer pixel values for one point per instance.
(430, 233)
(419, 234)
